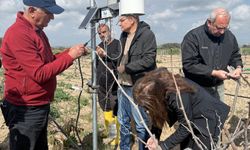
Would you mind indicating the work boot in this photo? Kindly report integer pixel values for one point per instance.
(109, 122)
(116, 140)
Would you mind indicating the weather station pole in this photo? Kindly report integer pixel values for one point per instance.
(94, 15)
(94, 94)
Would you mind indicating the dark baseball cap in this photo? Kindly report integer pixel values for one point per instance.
(49, 5)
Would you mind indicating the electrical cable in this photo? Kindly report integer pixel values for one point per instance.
(119, 49)
(78, 107)
(79, 96)
(78, 101)
(82, 84)
(106, 42)
(106, 74)
(63, 132)
(118, 55)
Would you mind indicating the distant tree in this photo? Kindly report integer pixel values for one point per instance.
(169, 49)
(170, 45)
(246, 46)
(59, 47)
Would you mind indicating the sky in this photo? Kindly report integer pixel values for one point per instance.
(170, 20)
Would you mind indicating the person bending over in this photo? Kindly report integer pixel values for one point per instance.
(156, 93)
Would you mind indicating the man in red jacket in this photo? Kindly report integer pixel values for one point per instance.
(30, 74)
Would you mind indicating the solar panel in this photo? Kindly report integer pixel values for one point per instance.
(89, 16)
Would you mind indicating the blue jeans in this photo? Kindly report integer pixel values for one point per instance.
(125, 111)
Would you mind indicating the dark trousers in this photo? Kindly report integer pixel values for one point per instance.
(107, 100)
(27, 126)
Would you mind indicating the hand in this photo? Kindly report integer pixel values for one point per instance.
(100, 51)
(121, 69)
(235, 74)
(152, 144)
(77, 51)
(221, 74)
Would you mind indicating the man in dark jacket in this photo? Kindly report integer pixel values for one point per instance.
(208, 50)
(30, 71)
(109, 51)
(138, 57)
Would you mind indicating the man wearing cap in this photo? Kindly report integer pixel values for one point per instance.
(138, 57)
(30, 74)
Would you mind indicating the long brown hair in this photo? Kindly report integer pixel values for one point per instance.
(152, 90)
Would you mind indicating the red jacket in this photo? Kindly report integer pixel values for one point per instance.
(30, 66)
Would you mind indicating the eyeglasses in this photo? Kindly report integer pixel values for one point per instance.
(221, 28)
(121, 20)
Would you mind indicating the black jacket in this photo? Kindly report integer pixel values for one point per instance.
(202, 53)
(113, 51)
(107, 85)
(196, 106)
(142, 51)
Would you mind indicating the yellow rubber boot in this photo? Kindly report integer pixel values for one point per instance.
(116, 141)
(108, 119)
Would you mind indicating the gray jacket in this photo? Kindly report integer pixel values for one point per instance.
(142, 51)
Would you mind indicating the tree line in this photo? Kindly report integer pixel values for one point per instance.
(162, 46)
(178, 45)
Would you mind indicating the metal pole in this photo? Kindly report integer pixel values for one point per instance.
(94, 94)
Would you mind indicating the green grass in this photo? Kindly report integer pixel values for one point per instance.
(245, 51)
(57, 50)
(54, 112)
(64, 85)
(61, 95)
(84, 101)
